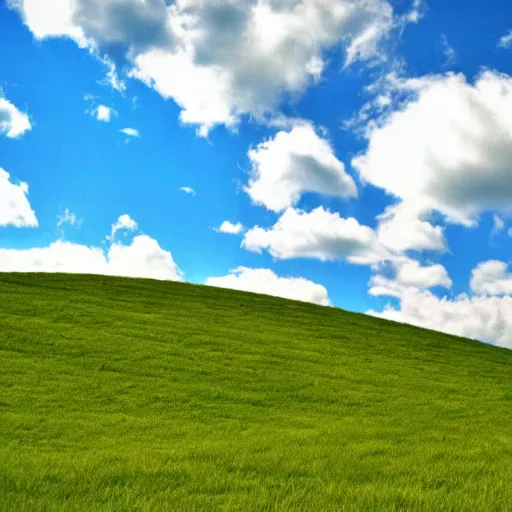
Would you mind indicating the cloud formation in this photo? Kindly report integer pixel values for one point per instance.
(319, 234)
(188, 190)
(222, 59)
(68, 217)
(505, 41)
(265, 281)
(143, 257)
(124, 222)
(13, 122)
(407, 274)
(131, 132)
(230, 228)
(491, 278)
(294, 162)
(487, 319)
(403, 227)
(448, 148)
(103, 113)
(15, 209)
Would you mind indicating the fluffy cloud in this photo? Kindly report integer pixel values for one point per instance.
(130, 132)
(292, 163)
(487, 319)
(506, 40)
(15, 208)
(54, 19)
(221, 59)
(230, 228)
(13, 123)
(409, 274)
(251, 52)
(104, 114)
(264, 281)
(486, 316)
(402, 227)
(491, 278)
(143, 257)
(318, 234)
(124, 222)
(449, 148)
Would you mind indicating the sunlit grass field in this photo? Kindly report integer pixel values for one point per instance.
(136, 395)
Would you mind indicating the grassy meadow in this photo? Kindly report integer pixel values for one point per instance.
(137, 395)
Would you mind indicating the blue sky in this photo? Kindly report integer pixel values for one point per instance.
(299, 121)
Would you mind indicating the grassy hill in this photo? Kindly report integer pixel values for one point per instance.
(134, 395)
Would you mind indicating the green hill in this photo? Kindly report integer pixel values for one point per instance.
(135, 395)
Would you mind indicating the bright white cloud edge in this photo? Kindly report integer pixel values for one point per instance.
(130, 132)
(457, 137)
(142, 257)
(486, 319)
(13, 122)
(292, 163)
(265, 281)
(230, 228)
(221, 60)
(15, 209)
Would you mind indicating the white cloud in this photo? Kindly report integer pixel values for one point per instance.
(449, 52)
(409, 274)
(188, 190)
(52, 19)
(104, 114)
(112, 78)
(491, 278)
(230, 228)
(15, 208)
(487, 319)
(143, 257)
(130, 132)
(498, 225)
(266, 282)
(219, 60)
(402, 227)
(124, 222)
(318, 234)
(416, 12)
(448, 148)
(506, 40)
(13, 122)
(251, 53)
(68, 217)
(292, 163)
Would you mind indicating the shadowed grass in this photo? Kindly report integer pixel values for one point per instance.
(134, 395)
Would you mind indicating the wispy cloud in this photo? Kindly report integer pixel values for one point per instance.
(506, 41)
(449, 52)
(68, 217)
(188, 190)
(131, 132)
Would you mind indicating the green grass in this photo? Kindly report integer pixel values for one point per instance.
(135, 395)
